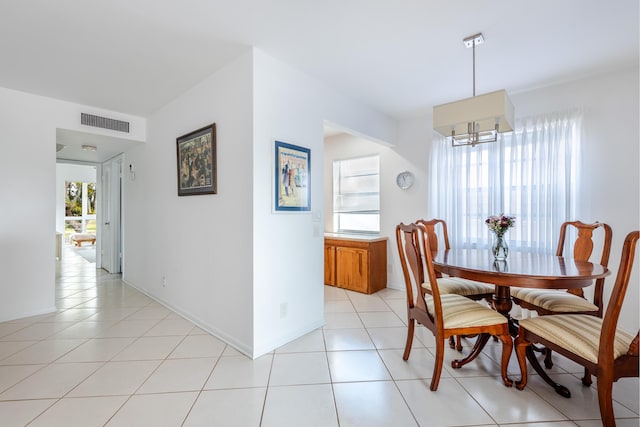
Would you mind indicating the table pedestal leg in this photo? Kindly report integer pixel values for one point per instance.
(533, 361)
(502, 304)
(475, 351)
(502, 300)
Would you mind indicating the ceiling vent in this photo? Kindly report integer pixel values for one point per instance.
(104, 122)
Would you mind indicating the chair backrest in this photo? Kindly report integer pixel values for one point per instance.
(583, 245)
(583, 249)
(610, 321)
(430, 229)
(413, 248)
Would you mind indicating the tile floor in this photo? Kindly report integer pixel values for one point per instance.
(112, 356)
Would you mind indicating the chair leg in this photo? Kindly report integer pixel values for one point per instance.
(605, 398)
(455, 342)
(586, 380)
(410, 329)
(548, 363)
(507, 348)
(521, 351)
(437, 367)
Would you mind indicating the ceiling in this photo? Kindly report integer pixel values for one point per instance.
(399, 57)
(71, 142)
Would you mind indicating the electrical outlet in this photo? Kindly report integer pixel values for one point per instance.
(164, 281)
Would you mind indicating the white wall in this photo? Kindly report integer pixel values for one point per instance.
(28, 192)
(201, 244)
(288, 247)
(229, 260)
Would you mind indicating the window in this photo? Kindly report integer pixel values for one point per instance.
(356, 195)
(80, 208)
(530, 173)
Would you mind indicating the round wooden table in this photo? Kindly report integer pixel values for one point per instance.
(520, 269)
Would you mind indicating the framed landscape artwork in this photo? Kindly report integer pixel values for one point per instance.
(196, 152)
(292, 177)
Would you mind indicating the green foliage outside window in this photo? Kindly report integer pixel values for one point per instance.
(73, 199)
(80, 222)
(91, 198)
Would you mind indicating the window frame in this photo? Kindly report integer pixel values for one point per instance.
(338, 183)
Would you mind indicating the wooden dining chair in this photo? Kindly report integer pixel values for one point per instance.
(605, 350)
(445, 315)
(553, 301)
(453, 285)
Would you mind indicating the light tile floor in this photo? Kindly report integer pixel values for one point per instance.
(112, 356)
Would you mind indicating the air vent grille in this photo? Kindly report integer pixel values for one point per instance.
(104, 122)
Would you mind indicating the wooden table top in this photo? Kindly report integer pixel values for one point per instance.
(520, 269)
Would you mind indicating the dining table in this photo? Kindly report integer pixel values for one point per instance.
(520, 269)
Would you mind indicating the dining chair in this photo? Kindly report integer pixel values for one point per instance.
(554, 301)
(445, 315)
(434, 230)
(605, 350)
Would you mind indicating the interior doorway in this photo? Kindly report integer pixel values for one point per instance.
(105, 154)
(77, 209)
(89, 211)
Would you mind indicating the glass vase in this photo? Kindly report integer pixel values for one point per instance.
(499, 248)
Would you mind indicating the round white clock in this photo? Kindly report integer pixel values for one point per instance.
(405, 180)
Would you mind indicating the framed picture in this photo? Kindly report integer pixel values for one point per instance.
(196, 152)
(292, 177)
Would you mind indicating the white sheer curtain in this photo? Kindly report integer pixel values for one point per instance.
(530, 173)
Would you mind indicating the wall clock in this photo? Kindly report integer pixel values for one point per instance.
(405, 180)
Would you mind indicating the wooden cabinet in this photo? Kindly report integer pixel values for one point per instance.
(356, 264)
(352, 269)
(329, 265)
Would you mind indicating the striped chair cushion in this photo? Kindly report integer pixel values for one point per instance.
(578, 333)
(456, 285)
(553, 300)
(461, 312)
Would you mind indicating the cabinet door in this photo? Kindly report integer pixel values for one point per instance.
(329, 265)
(352, 267)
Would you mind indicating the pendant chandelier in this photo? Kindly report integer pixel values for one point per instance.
(474, 120)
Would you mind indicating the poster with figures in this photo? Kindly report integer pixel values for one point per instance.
(196, 152)
(292, 177)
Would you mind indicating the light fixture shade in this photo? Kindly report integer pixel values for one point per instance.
(484, 110)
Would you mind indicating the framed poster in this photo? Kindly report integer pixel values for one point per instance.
(196, 152)
(292, 177)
